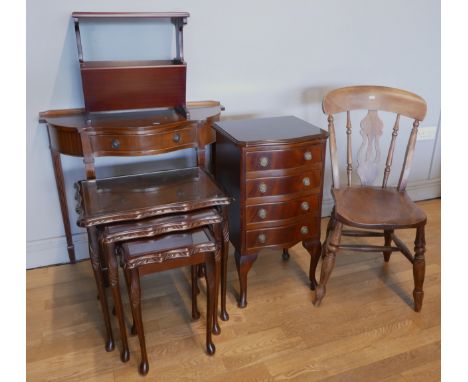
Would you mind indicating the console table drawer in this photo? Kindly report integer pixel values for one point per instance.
(306, 182)
(284, 159)
(267, 214)
(305, 228)
(139, 144)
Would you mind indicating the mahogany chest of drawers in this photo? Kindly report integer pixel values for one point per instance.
(273, 167)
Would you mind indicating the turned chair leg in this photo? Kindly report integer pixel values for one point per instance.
(210, 269)
(388, 242)
(195, 291)
(328, 263)
(285, 254)
(330, 227)
(419, 268)
(135, 302)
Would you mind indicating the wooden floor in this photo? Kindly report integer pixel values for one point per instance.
(365, 329)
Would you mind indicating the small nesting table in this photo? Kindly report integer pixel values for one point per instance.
(273, 168)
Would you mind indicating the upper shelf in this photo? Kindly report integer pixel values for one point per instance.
(129, 15)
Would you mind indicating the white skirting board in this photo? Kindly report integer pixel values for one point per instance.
(53, 250)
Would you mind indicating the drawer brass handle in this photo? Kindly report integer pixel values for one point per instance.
(262, 187)
(304, 230)
(305, 206)
(115, 144)
(263, 161)
(262, 238)
(308, 155)
(306, 181)
(176, 138)
(262, 213)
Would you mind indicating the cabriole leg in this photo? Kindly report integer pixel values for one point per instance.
(210, 269)
(224, 260)
(243, 264)
(135, 302)
(114, 283)
(96, 265)
(314, 249)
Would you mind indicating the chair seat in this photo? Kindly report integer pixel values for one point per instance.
(376, 208)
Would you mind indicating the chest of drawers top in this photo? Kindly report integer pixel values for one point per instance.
(269, 131)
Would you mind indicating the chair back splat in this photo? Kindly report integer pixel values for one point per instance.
(373, 99)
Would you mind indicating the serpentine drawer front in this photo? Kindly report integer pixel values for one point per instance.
(273, 167)
(132, 144)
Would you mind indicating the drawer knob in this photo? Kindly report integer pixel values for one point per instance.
(262, 238)
(262, 213)
(305, 206)
(306, 181)
(304, 230)
(262, 187)
(115, 144)
(308, 155)
(263, 161)
(176, 138)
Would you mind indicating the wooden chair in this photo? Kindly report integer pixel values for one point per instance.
(367, 206)
(165, 252)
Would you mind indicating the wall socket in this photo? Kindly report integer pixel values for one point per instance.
(427, 133)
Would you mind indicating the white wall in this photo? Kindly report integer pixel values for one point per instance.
(259, 58)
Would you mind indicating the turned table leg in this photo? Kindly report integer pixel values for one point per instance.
(96, 264)
(114, 283)
(315, 250)
(243, 264)
(224, 260)
(58, 172)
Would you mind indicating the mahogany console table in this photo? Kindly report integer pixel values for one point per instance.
(79, 133)
(273, 168)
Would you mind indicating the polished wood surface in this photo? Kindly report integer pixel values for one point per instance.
(161, 225)
(365, 206)
(383, 98)
(381, 340)
(272, 167)
(267, 131)
(64, 127)
(134, 197)
(374, 207)
(124, 85)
